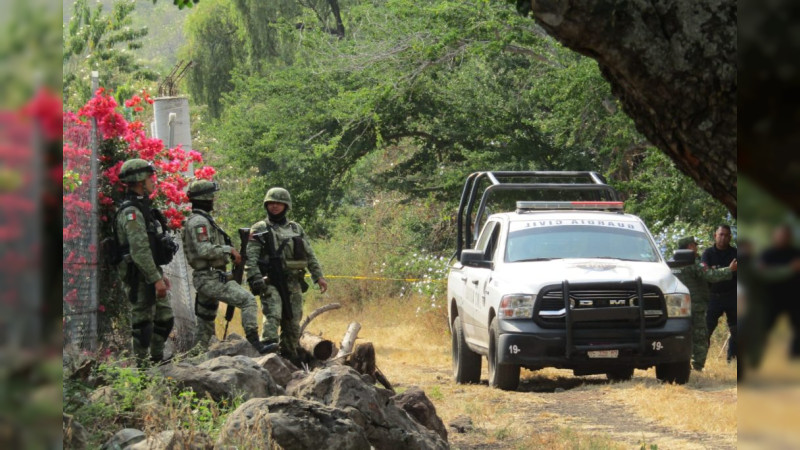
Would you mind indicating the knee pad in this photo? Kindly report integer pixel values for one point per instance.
(143, 332)
(212, 305)
(163, 328)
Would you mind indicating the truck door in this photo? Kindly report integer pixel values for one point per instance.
(475, 291)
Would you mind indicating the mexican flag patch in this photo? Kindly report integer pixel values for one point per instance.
(131, 215)
(201, 232)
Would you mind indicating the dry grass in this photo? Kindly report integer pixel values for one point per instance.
(414, 349)
(707, 404)
(768, 412)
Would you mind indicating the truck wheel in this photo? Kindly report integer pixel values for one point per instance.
(620, 374)
(677, 372)
(503, 376)
(466, 363)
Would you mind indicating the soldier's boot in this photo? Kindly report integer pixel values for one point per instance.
(262, 347)
(142, 333)
(161, 330)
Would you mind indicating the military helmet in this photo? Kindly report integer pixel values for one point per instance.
(202, 190)
(278, 195)
(136, 169)
(683, 243)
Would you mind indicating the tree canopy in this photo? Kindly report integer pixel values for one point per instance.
(415, 96)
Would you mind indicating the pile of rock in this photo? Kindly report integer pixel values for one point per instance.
(333, 407)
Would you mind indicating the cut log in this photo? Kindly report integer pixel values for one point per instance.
(317, 312)
(382, 379)
(349, 339)
(319, 348)
(363, 360)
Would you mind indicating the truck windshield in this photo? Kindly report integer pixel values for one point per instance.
(578, 241)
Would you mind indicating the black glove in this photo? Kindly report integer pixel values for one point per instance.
(257, 285)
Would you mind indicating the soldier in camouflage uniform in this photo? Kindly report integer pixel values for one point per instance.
(147, 289)
(207, 248)
(696, 278)
(287, 234)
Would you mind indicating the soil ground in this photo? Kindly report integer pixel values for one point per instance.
(552, 408)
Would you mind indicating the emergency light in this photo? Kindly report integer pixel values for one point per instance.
(523, 206)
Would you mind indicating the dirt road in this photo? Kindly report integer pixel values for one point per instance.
(560, 408)
(552, 408)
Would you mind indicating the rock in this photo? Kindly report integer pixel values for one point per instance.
(83, 371)
(175, 440)
(294, 423)
(124, 438)
(420, 408)
(462, 424)
(280, 369)
(558, 390)
(247, 426)
(75, 435)
(387, 426)
(104, 394)
(224, 377)
(232, 345)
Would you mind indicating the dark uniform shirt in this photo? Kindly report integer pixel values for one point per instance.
(715, 258)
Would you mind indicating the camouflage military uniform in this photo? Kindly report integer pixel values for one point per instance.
(271, 304)
(151, 317)
(696, 278)
(207, 253)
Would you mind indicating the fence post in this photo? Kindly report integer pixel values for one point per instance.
(93, 225)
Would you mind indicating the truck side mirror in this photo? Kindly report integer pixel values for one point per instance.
(681, 258)
(475, 258)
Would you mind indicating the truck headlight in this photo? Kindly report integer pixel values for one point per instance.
(678, 305)
(516, 306)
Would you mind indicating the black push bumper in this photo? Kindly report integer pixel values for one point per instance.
(524, 343)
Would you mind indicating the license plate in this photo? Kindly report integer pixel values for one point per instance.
(603, 353)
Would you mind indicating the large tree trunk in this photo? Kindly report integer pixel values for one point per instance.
(672, 64)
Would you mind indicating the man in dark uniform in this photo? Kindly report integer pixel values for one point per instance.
(723, 293)
(696, 278)
(783, 293)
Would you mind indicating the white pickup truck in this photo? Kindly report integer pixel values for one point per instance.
(568, 284)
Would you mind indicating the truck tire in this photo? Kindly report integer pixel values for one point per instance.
(620, 374)
(466, 363)
(677, 372)
(503, 376)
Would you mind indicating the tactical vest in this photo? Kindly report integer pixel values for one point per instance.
(215, 235)
(162, 246)
(290, 244)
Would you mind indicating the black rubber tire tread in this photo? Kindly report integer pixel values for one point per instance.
(502, 376)
(466, 363)
(620, 374)
(677, 372)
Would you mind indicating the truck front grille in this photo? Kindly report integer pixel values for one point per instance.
(550, 310)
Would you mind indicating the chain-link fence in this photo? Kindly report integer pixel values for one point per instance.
(92, 287)
(81, 306)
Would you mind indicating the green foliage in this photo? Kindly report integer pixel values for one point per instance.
(215, 44)
(183, 3)
(127, 397)
(415, 96)
(418, 95)
(29, 49)
(105, 43)
(658, 192)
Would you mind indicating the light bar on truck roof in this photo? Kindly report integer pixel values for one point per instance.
(589, 205)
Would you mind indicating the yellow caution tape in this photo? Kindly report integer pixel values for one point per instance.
(355, 277)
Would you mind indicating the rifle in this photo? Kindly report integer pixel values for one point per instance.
(273, 269)
(238, 274)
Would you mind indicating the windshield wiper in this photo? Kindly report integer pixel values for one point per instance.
(534, 259)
